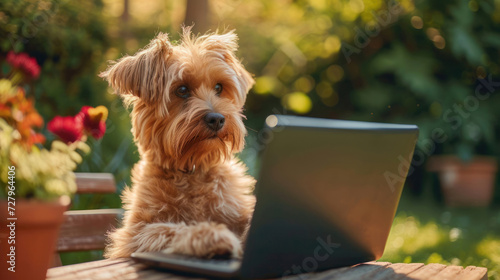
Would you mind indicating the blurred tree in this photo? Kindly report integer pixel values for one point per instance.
(198, 13)
(69, 39)
(393, 61)
(126, 13)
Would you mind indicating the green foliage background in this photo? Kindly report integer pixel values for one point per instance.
(390, 61)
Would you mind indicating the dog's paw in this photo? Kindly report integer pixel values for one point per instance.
(206, 240)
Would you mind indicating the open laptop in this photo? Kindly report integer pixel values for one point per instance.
(327, 194)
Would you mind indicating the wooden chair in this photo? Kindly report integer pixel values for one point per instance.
(85, 230)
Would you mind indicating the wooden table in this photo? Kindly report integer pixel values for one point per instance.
(128, 269)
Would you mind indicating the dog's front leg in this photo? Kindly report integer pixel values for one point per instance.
(203, 239)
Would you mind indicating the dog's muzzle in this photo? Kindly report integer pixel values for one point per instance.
(214, 121)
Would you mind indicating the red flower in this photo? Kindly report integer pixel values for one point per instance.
(89, 120)
(94, 120)
(68, 129)
(13, 60)
(31, 68)
(27, 64)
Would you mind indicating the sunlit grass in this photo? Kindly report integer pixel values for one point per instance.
(426, 232)
(407, 236)
(490, 248)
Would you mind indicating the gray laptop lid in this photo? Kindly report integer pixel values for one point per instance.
(327, 194)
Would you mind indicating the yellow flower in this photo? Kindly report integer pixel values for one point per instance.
(5, 87)
(97, 114)
(56, 186)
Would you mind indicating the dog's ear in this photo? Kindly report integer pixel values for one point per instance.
(227, 45)
(144, 74)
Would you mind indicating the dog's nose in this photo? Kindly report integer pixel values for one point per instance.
(215, 121)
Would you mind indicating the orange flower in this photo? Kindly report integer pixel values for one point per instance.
(21, 114)
(4, 110)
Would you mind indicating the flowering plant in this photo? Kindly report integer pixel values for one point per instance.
(23, 66)
(40, 172)
(89, 121)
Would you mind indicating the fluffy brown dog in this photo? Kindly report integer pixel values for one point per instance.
(189, 194)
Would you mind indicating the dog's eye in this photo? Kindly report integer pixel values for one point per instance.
(218, 89)
(182, 92)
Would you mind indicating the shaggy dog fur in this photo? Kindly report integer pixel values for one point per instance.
(189, 194)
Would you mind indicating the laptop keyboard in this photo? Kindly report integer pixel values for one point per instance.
(189, 263)
(205, 261)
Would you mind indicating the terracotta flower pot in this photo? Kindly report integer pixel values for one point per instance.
(35, 233)
(465, 183)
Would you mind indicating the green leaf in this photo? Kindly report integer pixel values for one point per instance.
(490, 38)
(462, 15)
(375, 98)
(413, 70)
(464, 44)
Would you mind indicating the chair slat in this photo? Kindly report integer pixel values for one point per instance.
(95, 183)
(86, 229)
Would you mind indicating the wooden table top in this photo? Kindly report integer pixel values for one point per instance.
(129, 269)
